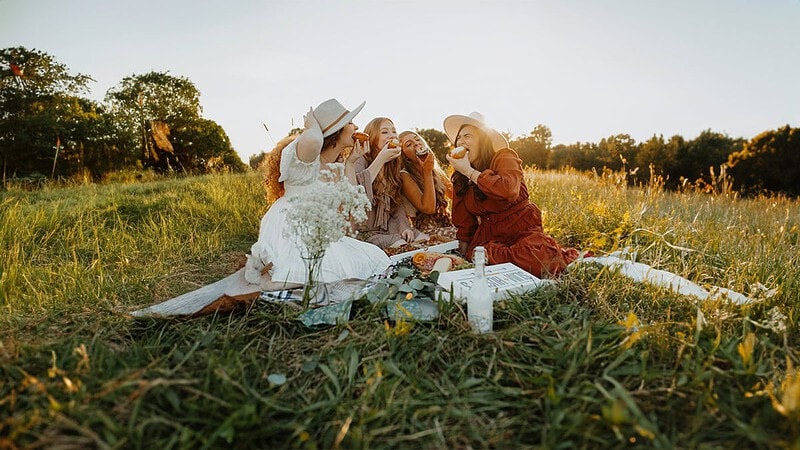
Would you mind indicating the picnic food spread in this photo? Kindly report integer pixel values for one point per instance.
(424, 261)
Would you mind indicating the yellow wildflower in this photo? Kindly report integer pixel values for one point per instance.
(400, 329)
(745, 349)
(634, 328)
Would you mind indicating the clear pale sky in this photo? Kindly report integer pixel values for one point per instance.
(585, 69)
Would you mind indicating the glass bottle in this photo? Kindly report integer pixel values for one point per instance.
(479, 300)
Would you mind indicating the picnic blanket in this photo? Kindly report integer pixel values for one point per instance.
(333, 304)
(336, 298)
(623, 262)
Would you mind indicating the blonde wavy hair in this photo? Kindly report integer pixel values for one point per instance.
(441, 180)
(388, 179)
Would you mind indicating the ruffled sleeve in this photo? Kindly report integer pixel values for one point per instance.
(362, 176)
(297, 172)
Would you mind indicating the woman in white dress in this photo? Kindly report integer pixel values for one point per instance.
(275, 260)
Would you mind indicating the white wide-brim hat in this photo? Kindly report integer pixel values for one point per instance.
(454, 123)
(332, 116)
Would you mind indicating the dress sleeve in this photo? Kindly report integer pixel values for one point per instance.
(383, 240)
(294, 171)
(362, 176)
(503, 178)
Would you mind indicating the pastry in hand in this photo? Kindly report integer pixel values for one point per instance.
(458, 152)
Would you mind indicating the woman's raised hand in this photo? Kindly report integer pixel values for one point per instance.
(427, 163)
(387, 154)
(309, 121)
(359, 149)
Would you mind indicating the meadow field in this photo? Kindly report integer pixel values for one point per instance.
(597, 361)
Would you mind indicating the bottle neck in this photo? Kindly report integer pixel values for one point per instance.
(479, 268)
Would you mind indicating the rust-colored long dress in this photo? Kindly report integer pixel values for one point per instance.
(505, 223)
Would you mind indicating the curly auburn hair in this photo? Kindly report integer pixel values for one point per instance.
(271, 166)
(271, 169)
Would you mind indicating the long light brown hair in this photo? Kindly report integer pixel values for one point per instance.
(440, 178)
(388, 179)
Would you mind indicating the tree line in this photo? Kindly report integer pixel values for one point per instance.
(154, 120)
(49, 129)
(767, 163)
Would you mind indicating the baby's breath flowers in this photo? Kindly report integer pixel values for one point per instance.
(322, 216)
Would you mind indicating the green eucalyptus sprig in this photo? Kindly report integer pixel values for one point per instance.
(404, 285)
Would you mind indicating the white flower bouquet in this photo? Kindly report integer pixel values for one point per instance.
(323, 216)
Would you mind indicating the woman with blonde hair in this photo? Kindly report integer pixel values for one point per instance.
(490, 202)
(275, 259)
(426, 188)
(387, 224)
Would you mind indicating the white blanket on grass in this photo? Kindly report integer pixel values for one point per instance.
(640, 272)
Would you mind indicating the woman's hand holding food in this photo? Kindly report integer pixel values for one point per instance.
(460, 164)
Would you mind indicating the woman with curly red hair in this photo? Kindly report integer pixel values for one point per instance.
(275, 259)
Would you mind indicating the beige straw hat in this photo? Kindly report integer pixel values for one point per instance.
(454, 123)
(332, 116)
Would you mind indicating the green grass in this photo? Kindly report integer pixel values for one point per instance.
(561, 370)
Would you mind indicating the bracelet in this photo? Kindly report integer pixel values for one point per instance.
(470, 176)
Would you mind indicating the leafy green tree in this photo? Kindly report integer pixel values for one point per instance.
(89, 140)
(616, 152)
(39, 109)
(769, 161)
(656, 157)
(708, 151)
(202, 145)
(650, 158)
(160, 104)
(535, 148)
(140, 101)
(579, 156)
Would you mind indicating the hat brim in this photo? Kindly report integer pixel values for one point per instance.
(344, 120)
(454, 123)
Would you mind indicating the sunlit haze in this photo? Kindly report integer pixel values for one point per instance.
(585, 69)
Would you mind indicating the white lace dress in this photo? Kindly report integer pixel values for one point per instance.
(345, 258)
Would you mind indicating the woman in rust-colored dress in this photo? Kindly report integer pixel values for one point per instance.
(490, 202)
